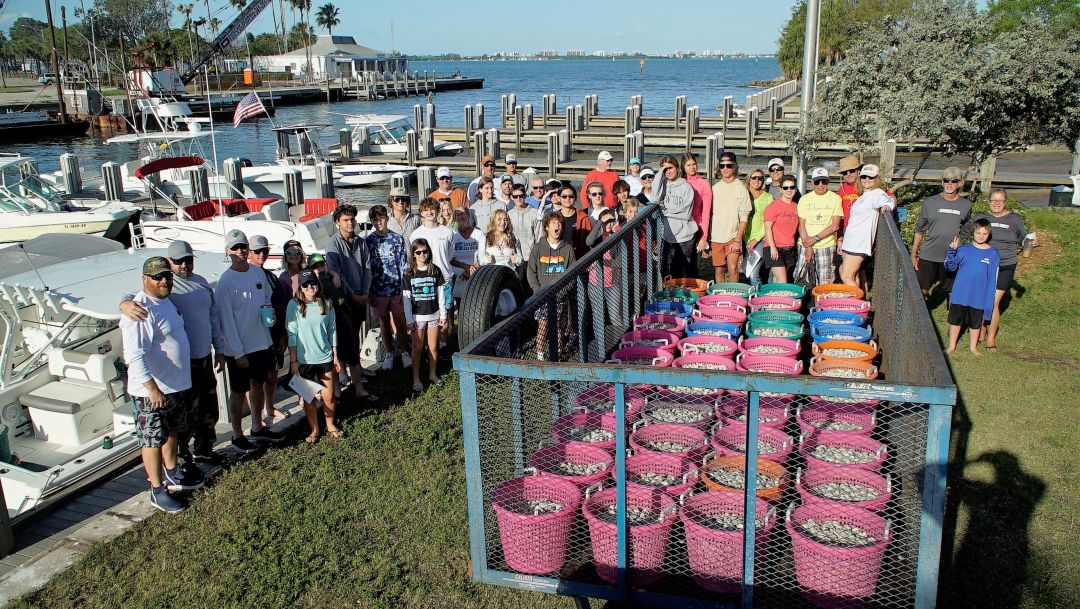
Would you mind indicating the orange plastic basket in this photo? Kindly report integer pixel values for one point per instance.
(697, 286)
(768, 468)
(869, 350)
(820, 366)
(836, 290)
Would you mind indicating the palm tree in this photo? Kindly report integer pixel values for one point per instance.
(327, 17)
(302, 6)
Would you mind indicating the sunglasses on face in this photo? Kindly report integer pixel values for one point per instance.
(647, 177)
(444, 178)
(774, 169)
(848, 172)
(239, 248)
(727, 165)
(538, 188)
(567, 196)
(517, 196)
(821, 181)
(596, 194)
(189, 260)
(401, 199)
(310, 284)
(792, 187)
(950, 181)
(294, 252)
(264, 251)
(489, 164)
(162, 276)
(421, 252)
(866, 177)
(756, 178)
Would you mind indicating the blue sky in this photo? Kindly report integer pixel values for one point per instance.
(468, 27)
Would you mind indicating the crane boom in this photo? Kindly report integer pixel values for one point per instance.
(226, 38)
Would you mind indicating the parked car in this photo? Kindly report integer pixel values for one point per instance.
(47, 78)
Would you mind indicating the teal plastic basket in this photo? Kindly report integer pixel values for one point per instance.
(774, 330)
(742, 290)
(790, 290)
(675, 295)
(789, 318)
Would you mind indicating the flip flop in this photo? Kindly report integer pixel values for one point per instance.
(991, 347)
(312, 439)
(368, 397)
(418, 387)
(336, 434)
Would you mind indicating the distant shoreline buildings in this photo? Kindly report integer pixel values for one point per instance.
(579, 54)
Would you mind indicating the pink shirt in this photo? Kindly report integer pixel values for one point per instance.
(701, 212)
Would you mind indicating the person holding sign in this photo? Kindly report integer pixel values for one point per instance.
(311, 326)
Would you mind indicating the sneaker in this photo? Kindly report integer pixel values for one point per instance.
(244, 446)
(388, 362)
(164, 501)
(267, 434)
(406, 361)
(181, 479)
(209, 458)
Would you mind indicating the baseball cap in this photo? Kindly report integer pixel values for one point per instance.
(553, 182)
(314, 259)
(648, 171)
(728, 155)
(775, 161)
(155, 265)
(443, 172)
(506, 178)
(179, 249)
(952, 173)
(870, 171)
(635, 161)
(399, 191)
(235, 237)
(819, 172)
(258, 242)
(604, 156)
(292, 243)
(511, 158)
(487, 159)
(306, 275)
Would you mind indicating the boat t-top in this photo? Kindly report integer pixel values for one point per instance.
(386, 134)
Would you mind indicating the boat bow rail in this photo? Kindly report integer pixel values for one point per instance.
(535, 407)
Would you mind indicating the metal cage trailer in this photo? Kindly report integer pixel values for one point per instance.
(652, 473)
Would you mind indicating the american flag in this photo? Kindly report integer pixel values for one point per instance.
(248, 107)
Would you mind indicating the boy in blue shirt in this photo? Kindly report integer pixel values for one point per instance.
(972, 298)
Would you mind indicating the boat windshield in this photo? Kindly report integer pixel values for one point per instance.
(29, 338)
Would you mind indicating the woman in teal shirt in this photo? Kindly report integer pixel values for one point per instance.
(311, 327)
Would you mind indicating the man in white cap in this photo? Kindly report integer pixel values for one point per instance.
(633, 177)
(194, 299)
(603, 174)
(258, 254)
(776, 173)
(940, 220)
(820, 212)
(511, 163)
(446, 191)
(244, 295)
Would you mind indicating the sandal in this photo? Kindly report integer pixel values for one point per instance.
(418, 387)
(368, 396)
(435, 382)
(313, 438)
(336, 434)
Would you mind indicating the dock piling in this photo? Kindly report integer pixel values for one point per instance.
(595, 104)
(418, 116)
(114, 186)
(425, 181)
(888, 159)
(639, 145)
(544, 110)
(519, 118)
(680, 110)
(570, 123)
(494, 146)
(628, 148)
(553, 153)
(479, 138)
(587, 113)
(729, 103)
(399, 180)
(427, 142)
(468, 126)
(710, 158)
(234, 177)
(479, 116)
(324, 180)
(579, 118)
(294, 186)
(774, 109)
(527, 117)
(69, 169)
(751, 128)
(345, 143)
(412, 147)
(564, 145)
(504, 105)
(429, 116)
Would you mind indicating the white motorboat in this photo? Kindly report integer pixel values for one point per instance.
(65, 416)
(308, 152)
(30, 207)
(386, 134)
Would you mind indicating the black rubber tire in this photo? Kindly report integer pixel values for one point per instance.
(478, 310)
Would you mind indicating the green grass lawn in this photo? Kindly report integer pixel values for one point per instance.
(378, 519)
(14, 89)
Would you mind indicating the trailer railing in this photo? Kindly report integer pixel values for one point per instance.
(539, 378)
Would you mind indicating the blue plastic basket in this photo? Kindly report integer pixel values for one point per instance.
(825, 332)
(834, 318)
(668, 307)
(732, 330)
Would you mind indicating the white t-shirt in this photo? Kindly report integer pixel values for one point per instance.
(156, 348)
(862, 224)
(465, 249)
(441, 241)
(634, 182)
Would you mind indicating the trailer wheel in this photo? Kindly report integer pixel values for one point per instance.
(493, 294)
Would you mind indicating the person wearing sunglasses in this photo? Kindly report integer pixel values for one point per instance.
(244, 295)
(486, 205)
(312, 335)
(605, 175)
(776, 174)
(648, 178)
(446, 191)
(193, 297)
(295, 260)
(781, 229)
(402, 221)
(729, 214)
(441, 241)
(862, 229)
(576, 223)
(487, 170)
(536, 192)
(158, 356)
(258, 255)
(820, 213)
(676, 199)
(849, 186)
(755, 234)
(941, 218)
(425, 308)
(595, 194)
(386, 251)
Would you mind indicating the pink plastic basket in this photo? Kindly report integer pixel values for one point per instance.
(641, 338)
(775, 303)
(772, 364)
(722, 301)
(808, 480)
(562, 430)
(668, 465)
(818, 418)
(730, 315)
(773, 411)
(666, 404)
(790, 347)
(642, 356)
(695, 440)
(546, 461)
(716, 556)
(847, 305)
(532, 543)
(683, 393)
(648, 541)
(601, 399)
(844, 439)
(677, 324)
(696, 344)
(835, 575)
(730, 440)
(819, 401)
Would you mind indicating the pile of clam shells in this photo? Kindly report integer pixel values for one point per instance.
(590, 434)
(768, 350)
(665, 311)
(645, 342)
(708, 348)
(537, 507)
(784, 293)
(678, 415)
(599, 406)
(774, 332)
(730, 521)
(763, 447)
(634, 515)
(657, 325)
(838, 426)
(654, 479)
(834, 295)
(687, 390)
(845, 491)
(703, 366)
(844, 373)
(835, 336)
(836, 533)
(638, 361)
(835, 321)
(719, 333)
(576, 469)
(842, 400)
(762, 418)
(842, 455)
(843, 353)
(772, 306)
(736, 478)
(728, 292)
(664, 446)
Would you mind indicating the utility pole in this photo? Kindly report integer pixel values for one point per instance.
(809, 80)
(55, 63)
